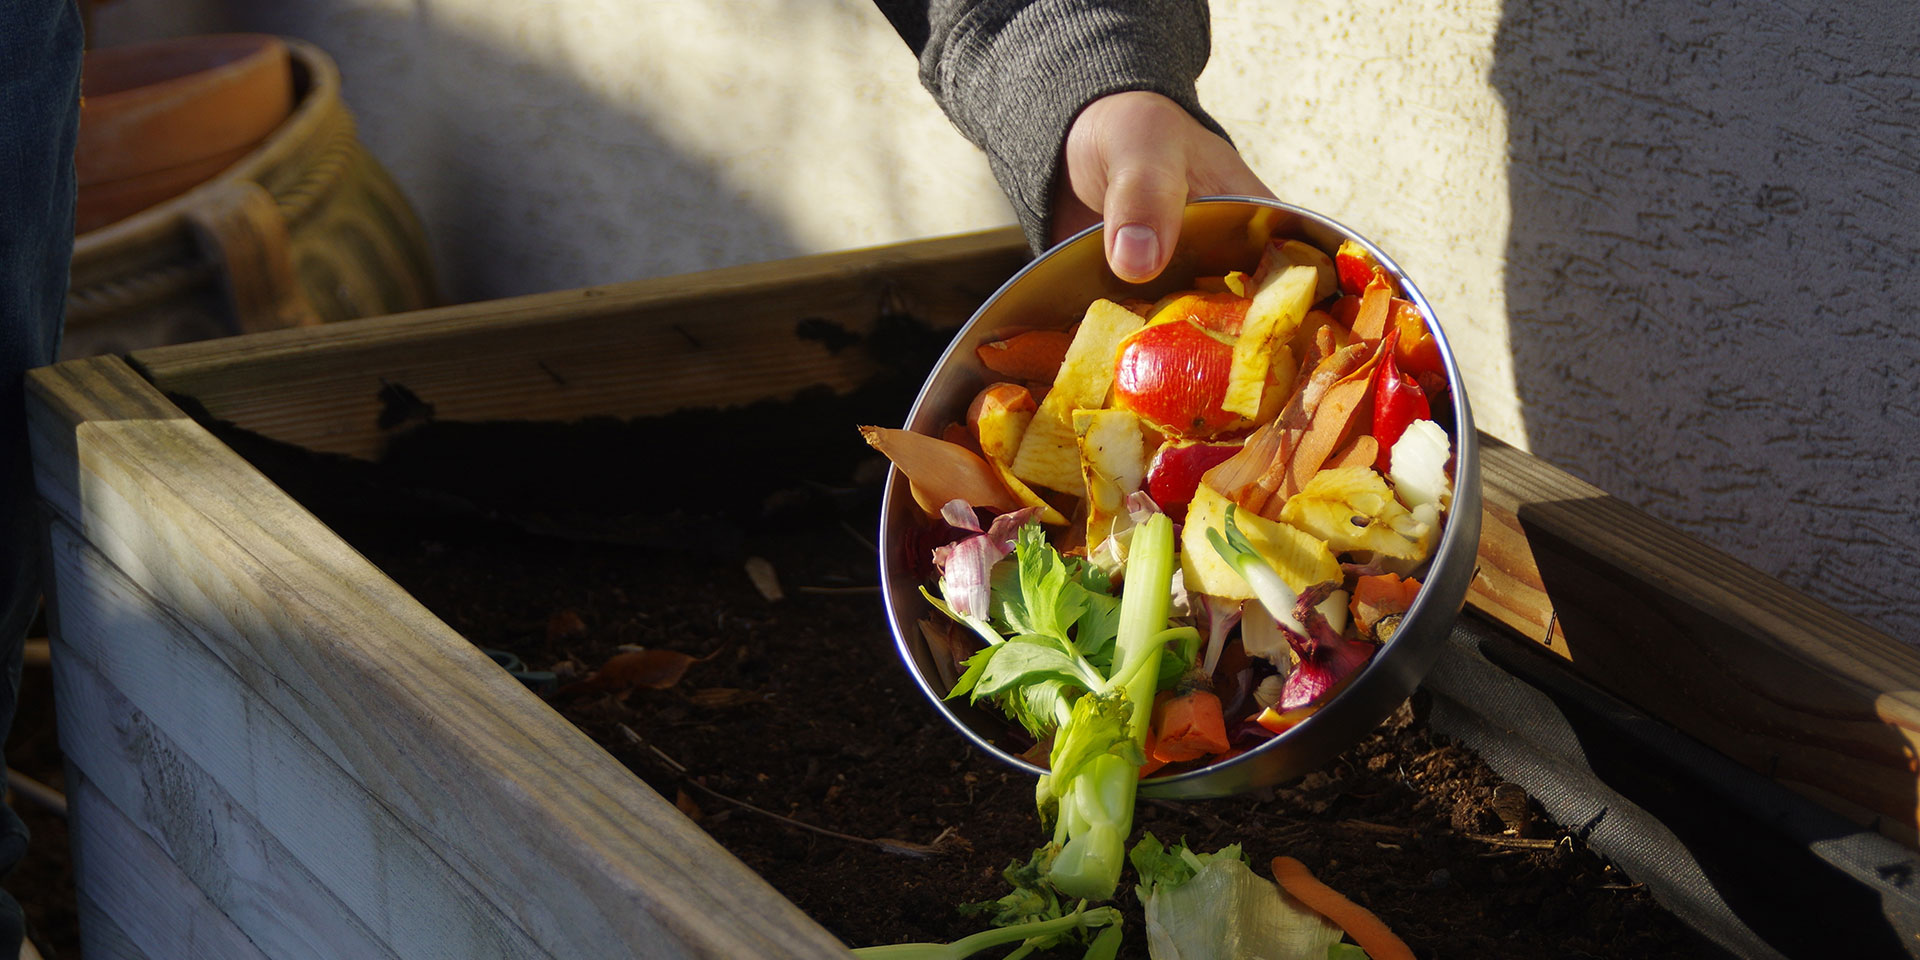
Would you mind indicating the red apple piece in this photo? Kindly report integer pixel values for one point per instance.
(1174, 375)
(1175, 472)
(1356, 267)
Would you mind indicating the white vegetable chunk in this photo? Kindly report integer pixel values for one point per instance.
(1419, 471)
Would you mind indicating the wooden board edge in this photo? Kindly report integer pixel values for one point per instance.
(1765, 674)
(175, 364)
(144, 470)
(719, 339)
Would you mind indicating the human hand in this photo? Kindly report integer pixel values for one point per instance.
(1133, 159)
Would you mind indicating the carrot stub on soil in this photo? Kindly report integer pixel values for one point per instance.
(1366, 929)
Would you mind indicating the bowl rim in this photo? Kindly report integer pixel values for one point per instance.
(1195, 781)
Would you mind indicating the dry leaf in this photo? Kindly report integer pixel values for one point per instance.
(634, 669)
(684, 802)
(565, 625)
(722, 697)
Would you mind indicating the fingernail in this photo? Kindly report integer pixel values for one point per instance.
(1136, 251)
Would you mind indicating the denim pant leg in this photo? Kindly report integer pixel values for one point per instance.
(40, 52)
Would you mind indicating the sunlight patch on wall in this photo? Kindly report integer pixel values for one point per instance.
(809, 112)
(1379, 114)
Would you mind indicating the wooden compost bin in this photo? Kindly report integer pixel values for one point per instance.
(275, 751)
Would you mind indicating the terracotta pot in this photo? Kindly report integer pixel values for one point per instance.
(305, 227)
(159, 118)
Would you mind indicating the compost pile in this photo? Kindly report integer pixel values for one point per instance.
(702, 589)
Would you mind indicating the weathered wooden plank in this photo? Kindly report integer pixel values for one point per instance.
(634, 349)
(154, 908)
(100, 935)
(1783, 684)
(330, 887)
(544, 824)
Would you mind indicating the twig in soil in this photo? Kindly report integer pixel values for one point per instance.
(905, 848)
(1526, 843)
(859, 537)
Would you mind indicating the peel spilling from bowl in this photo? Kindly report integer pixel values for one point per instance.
(1284, 398)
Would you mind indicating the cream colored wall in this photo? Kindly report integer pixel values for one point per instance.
(556, 145)
(1674, 243)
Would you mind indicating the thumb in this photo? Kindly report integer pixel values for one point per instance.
(1146, 195)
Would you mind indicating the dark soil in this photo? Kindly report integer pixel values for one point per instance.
(567, 545)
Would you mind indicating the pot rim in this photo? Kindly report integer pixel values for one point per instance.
(316, 83)
(242, 52)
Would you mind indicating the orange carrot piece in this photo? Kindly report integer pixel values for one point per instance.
(1379, 596)
(1368, 930)
(999, 397)
(1189, 726)
(1152, 763)
(1034, 355)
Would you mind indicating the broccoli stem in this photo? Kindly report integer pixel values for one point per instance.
(987, 939)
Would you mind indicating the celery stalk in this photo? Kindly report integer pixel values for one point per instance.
(986, 939)
(1145, 599)
(1095, 768)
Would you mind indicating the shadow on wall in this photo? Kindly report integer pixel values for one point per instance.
(490, 135)
(1711, 274)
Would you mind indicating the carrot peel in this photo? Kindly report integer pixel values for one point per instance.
(1368, 930)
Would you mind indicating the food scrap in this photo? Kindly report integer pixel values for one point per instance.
(1178, 528)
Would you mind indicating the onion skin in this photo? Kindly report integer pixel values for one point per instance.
(942, 471)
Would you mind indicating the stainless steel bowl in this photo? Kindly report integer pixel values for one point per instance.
(1217, 235)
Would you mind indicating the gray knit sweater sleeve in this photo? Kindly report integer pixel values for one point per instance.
(1012, 74)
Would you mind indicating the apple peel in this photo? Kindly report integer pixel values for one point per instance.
(1113, 461)
(1048, 454)
(1279, 304)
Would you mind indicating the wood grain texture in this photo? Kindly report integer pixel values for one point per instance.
(1780, 682)
(578, 855)
(263, 825)
(648, 347)
(155, 909)
(100, 935)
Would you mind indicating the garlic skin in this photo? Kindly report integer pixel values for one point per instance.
(1268, 692)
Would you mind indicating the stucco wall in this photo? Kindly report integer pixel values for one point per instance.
(1675, 243)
